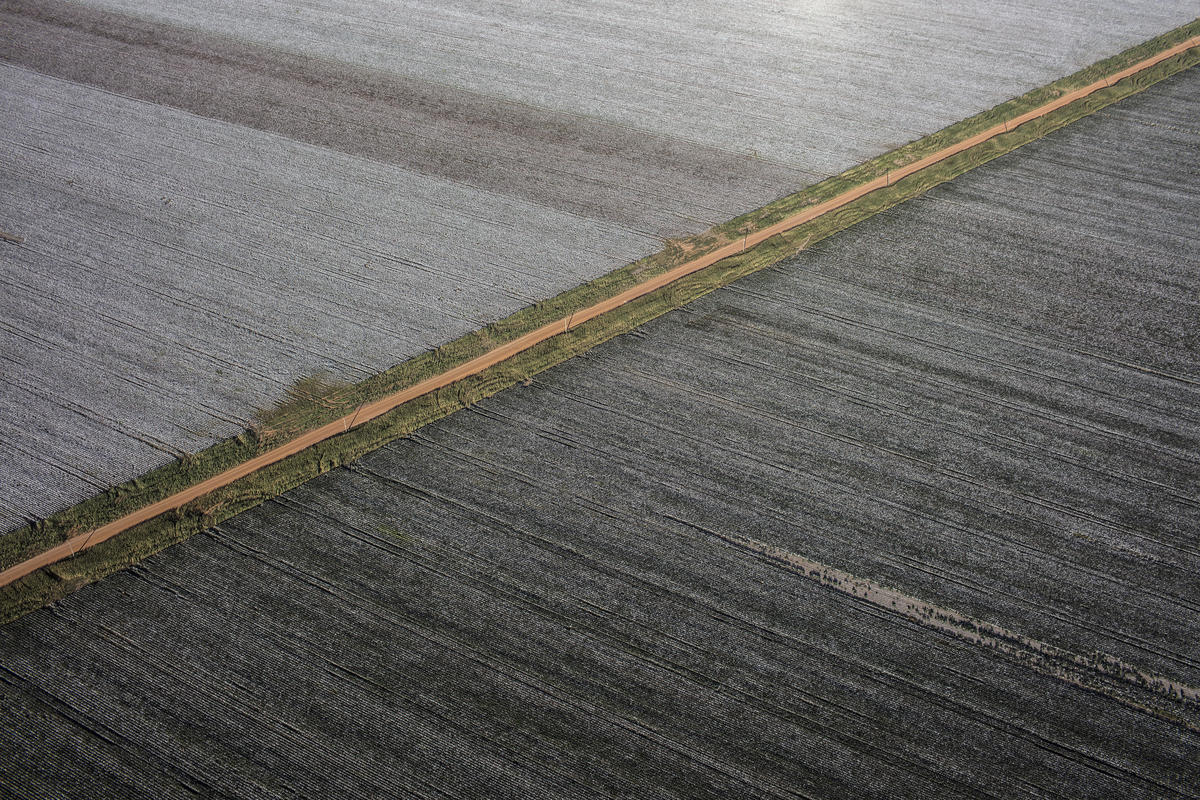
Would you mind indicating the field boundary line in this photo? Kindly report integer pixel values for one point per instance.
(372, 410)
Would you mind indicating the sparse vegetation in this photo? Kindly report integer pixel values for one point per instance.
(305, 403)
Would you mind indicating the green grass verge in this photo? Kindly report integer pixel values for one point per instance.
(315, 401)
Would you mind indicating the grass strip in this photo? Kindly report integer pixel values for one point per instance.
(315, 402)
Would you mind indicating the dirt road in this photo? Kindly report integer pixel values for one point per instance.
(370, 411)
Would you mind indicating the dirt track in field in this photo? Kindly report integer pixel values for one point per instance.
(372, 410)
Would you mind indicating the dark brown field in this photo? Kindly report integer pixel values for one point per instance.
(643, 574)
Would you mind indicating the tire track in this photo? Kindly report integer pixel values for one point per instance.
(1100, 672)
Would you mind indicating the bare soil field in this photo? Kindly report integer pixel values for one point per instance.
(984, 400)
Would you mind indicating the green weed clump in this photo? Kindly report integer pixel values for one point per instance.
(304, 403)
(317, 399)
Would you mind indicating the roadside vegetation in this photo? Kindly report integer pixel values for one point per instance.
(316, 400)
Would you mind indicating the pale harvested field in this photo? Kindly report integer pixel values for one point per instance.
(134, 328)
(985, 399)
(333, 188)
(821, 85)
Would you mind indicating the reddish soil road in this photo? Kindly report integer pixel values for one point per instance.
(372, 410)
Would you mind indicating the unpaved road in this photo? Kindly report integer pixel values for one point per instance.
(372, 410)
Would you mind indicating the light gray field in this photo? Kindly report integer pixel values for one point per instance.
(986, 399)
(178, 273)
(355, 183)
(822, 84)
